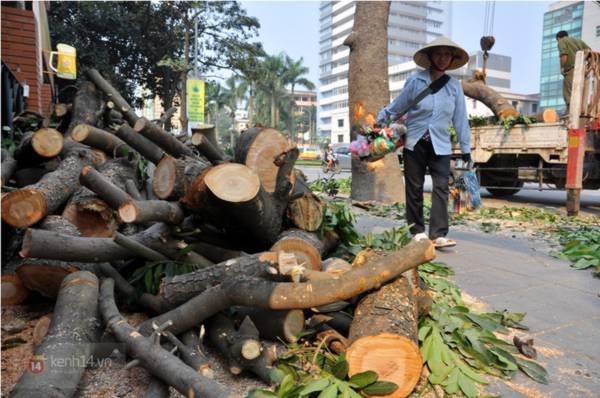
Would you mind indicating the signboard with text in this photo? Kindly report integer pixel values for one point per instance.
(195, 102)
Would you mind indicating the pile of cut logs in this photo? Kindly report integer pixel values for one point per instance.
(79, 217)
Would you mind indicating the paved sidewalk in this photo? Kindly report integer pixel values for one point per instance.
(562, 306)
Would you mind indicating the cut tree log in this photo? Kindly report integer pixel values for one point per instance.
(273, 325)
(54, 372)
(139, 249)
(100, 139)
(258, 149)
(86, 105)
(207, 130)
(172, 177)
(29, 205)
(160, 137)
(215, 253)
(262, 293)
(149, 150)
(206, 148)
(548, 115)
(306, 211)
(45, 275)
(13, 290)
(180, 288)
(231, 195)
(383, 337)
(39, 146)
(478, 90)
(368, 92)
(8, 167)
(113, 95)
(109, 184)
(154, 358)
(242, 348)
(306, 246)
(191, 356)
(142, 211)
(61, 110)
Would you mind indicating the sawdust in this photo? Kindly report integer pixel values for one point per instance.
(474, 302)
(550, 352)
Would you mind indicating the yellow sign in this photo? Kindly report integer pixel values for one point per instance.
(66, 67)
(195, 101)
(573, 141)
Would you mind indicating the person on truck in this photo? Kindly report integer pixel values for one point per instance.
(567, 48)
(428, 142)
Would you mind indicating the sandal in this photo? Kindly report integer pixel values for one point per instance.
(443, 242)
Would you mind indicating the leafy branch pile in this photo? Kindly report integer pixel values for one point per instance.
(581, 247)
(507, 123)
(332, 186)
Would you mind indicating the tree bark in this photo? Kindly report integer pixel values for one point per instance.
(215, 253)
(368, 92)
(191, 356)
(477, 89)
(306, 246)
(113, 95)
(37, 147)
(306, 212)
(261, 293)
(273, 325)
(72, 332)
(29, 205)
(242, 348)
(258, 149)
(155, 359)
(172, 177)
(85, 106)
(100, 139)
(110, 183)
(383, 337)
(164, 140)
(149, 150)
(9, 166)
(143, 211)
(206, 148)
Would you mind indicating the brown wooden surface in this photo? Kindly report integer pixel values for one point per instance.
(164, 140)
(102, 140)
(13, 290)
(149, 150)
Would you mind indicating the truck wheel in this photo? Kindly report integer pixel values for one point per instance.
(516, 187)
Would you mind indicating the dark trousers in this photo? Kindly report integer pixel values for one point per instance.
(415, 164)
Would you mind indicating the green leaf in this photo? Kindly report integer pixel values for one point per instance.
(148, 281)
(329, 392)
(317, 385)
(533, 370)
(380, 388)
(340, 369)
(361, 380)
(471, 373)
(439, 378)
(424, 331)
(262, 394)
(505, 360)
(286, 385)
(584, 263)
(467, 386)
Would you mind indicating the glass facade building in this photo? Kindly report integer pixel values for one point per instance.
(568, 17)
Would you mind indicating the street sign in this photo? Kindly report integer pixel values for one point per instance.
(195, 102)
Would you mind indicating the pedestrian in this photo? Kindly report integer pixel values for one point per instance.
(567, 48)
(428, 143)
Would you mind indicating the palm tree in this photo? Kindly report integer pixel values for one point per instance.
(293, 76)
(272, 84)
(215, 100)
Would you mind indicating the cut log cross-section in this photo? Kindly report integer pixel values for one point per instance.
(36, 147)
(212, 153)
(173, 176)
(274, 325)
(100, 139)
(383, 337)
(258, 148)
(168, 142)
(13, 290)
(29, 205)
(68, 345)
(306, 246)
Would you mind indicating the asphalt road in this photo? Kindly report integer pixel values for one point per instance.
(590, 199)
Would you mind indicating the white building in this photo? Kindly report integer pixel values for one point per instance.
(411, 25)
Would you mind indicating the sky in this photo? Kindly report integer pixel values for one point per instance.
(293, 27)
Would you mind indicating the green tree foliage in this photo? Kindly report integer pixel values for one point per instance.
(150, 44)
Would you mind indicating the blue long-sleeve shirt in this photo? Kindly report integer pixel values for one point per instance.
(434, 113)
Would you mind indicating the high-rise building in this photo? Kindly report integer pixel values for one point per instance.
(411, 25)
(580, 19)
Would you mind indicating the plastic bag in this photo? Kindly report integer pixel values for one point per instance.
(464, 192)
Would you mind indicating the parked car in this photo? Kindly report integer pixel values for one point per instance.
(344, 156)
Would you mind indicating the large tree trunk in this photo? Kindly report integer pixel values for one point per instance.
(86, 105)
(368, 92)
(113, 95)
(478, 90)
(261, 293)
(29, 205)
(383, 337)
(155, 359)
(68, 344)
(258, 149)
